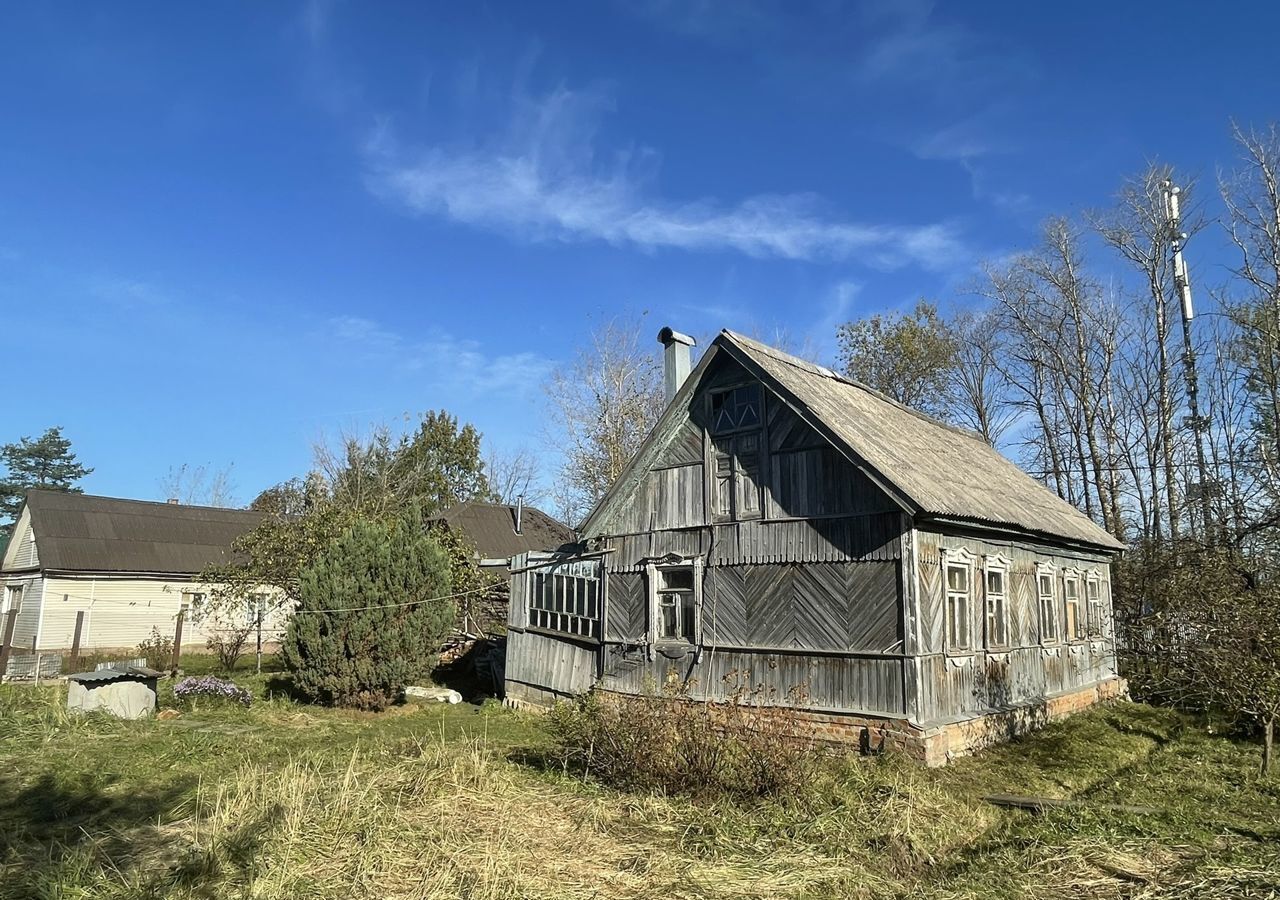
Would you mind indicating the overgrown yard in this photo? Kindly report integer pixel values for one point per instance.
(284, 800)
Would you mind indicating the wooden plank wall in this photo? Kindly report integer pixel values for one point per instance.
(550, 663)
(865, 538)
(954, 686)
(859, 685)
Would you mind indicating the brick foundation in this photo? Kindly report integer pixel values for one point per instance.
(933, 745)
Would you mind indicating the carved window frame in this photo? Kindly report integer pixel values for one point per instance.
(658, 588)
(1074, 622)
(1048, 606)
(995, 605)
(957, 605)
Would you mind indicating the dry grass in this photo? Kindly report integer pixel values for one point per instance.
(439, 803)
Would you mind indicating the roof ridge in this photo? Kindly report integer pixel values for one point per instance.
(161, 503)
(821, 370)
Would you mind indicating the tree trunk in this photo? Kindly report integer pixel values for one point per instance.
(1268, 744)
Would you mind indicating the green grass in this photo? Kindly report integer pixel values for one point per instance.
(286, 800)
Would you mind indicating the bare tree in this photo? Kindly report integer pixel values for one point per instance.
(199, 485)
(514, 473)
(601, 406)
(1252, 197)
(980, 389)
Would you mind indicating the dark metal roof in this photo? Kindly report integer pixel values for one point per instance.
(82, 533)
(104, 675)
(491, 527)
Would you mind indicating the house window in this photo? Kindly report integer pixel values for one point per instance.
(1093, 594)
(13, 598)
(1073, 620)
(958, 566)
(996, 586)
(255, 605)
(191, 600)
(735, 427)
(566, 598)
(736, 409)
(675, 591)
(1050, 632)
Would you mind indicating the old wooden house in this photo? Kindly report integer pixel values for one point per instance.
(788, 532)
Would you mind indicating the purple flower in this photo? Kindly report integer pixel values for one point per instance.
(211, 686)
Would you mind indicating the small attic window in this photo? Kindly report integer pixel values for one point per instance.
(735, 409)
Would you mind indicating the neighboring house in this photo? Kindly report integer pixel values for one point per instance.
(499, 531)
(128, 565)
(791, 533)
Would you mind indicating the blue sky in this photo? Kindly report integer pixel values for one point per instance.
(229, 229)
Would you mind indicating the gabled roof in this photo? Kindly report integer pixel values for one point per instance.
(932, 469)
(491, 527)
(83, 533)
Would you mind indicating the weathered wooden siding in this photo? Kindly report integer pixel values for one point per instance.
(853, 684)
(550, 663)
(869, 537)
(952, 686)
(816, 607)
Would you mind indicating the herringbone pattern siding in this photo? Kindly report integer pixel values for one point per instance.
(626, 616)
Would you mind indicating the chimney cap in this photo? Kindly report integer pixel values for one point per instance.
(668, 336)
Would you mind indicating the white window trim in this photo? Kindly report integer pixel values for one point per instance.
(1093, 630)
(953, 558)
(651, 578)
(1072, 574)
(1051, 570)
(995, 562)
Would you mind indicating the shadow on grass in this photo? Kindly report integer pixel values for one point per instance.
(59, 834)
(56, 818)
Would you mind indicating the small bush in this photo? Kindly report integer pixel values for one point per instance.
(157, 648)
(209, 687)
(744, 747)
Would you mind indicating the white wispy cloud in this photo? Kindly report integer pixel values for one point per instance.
(544, 179)
(440, 358)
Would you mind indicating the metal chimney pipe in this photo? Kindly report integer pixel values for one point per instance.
(519, 512)
(677, 360)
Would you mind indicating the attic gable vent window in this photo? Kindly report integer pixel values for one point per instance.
(736, 416)
(735, 409)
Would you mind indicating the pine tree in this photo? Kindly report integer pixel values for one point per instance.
(365, 657)
(43, 463)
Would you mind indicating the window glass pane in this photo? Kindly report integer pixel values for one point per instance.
(958, 579)
(668, 623)
(995, 582)
(677, 579)
(1046, 585)
(687, 619)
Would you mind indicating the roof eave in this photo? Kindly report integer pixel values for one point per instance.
(1109, 546)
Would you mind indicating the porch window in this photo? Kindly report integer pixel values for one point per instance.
(958, 568)
(1050, 631)
(996, 590)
